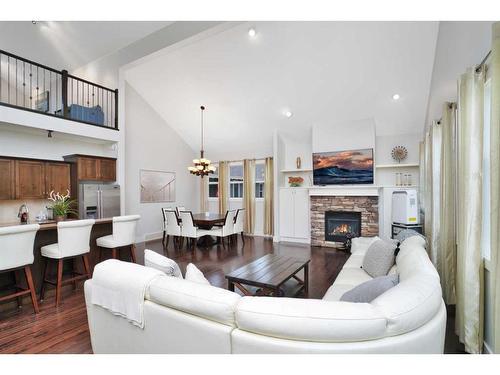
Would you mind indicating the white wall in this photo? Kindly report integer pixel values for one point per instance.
(351, 135)
(460, 45)
(151, 144)
(105, 70)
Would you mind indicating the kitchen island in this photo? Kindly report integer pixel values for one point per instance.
(47, 234)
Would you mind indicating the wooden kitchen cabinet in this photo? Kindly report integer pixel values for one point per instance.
(107, 170)
(7, 179)
(93, 168)
(57, 177)
(30, 179)
(88, 169)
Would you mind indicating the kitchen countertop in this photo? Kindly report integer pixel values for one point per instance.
(51, 224)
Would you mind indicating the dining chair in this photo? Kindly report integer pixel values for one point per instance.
(179, 209)
(123, 236)
(189, 230)
(226, 230)
(238, 223)
(173, 227)
(73, 240)
(16, 253)
(164, 216)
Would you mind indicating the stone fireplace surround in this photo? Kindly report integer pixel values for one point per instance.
(367, 205)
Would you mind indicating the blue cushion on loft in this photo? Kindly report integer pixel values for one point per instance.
(94, 115)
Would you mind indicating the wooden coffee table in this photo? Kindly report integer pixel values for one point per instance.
(271, 275)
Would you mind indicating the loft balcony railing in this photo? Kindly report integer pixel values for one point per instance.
(34, 87)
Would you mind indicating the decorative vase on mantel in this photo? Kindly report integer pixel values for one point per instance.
(298, 162)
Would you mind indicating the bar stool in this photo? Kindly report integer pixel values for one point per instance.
(73, 240)
(16, 252)
(123, 236)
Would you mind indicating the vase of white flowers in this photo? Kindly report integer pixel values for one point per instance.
(62, 205)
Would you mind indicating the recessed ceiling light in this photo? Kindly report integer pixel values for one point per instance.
(252, 33)
(288, 114)
(396, 96)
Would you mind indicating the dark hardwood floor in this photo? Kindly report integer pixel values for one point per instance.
(64, 329)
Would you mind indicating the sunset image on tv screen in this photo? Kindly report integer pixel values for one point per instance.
(343, 167)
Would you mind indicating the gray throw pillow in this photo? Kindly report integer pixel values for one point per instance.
(379, 258)
(369, 290)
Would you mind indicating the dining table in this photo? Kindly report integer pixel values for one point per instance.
(207, 220)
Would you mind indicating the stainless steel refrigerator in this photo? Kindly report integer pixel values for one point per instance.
(97, 201)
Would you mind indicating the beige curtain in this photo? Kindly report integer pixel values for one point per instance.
(203, 194)
(223, 186)
(436, 135)
(495, 181)
(268, 197)
(249, 195)
(421, 191)
(427, 186)
(469, 280)
(446, 254)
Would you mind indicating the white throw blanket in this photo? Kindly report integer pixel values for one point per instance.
(120, 287)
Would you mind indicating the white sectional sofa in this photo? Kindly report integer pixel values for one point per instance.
(184, 317)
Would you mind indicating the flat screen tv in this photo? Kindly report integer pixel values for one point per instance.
(343, 167)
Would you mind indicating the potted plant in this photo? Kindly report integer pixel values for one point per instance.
(62, 205)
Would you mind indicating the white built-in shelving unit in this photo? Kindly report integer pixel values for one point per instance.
(292, 203)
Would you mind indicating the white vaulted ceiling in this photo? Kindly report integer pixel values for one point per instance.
(72, 44)
(323, 72)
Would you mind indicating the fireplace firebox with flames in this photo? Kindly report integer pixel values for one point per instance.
(342, 225)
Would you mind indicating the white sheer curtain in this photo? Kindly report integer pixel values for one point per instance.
(427, 186)
(439, 182)
(436, 140)
(447, 251)
(495, 180)
(469, 280)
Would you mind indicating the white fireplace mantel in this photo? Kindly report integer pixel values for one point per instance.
(344, 190)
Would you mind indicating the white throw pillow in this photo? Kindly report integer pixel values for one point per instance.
(162, 263)
(195, 275)
(361, 244)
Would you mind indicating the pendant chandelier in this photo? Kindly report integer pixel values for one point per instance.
(202, 166)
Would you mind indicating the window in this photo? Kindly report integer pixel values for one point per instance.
(259, 179)
(213, 184)
(486, 229)
(236, 181)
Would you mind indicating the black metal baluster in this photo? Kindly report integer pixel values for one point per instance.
(43, 91)
(8, 79)
(31, 86)
(24, 84)
(109, 110)
(0, 77)
(16, 83)
(50, 88)
(37, 85)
